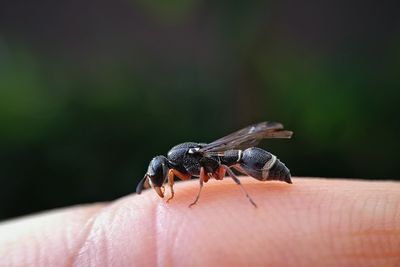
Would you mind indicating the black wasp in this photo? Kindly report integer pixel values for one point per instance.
(215, 159)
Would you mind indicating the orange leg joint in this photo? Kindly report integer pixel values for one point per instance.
(171, 174)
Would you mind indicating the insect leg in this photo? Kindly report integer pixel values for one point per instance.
(171, 174)
(171, 183)
(203, 176)
(219, 173)
(237, 181)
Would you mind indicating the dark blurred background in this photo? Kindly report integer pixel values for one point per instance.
(91, 90)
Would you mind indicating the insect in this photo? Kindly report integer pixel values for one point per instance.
(236, 150)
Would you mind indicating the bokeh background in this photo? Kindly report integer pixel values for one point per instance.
(91, 90)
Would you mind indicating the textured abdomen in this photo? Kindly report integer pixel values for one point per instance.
(262, 165)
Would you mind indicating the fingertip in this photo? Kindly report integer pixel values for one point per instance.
(313, 222)
(45, 239)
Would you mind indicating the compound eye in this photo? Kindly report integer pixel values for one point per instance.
(157, 171)
(156, 180)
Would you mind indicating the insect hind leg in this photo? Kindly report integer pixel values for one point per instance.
(237, 181)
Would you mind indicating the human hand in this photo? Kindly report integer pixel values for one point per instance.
(313, 222)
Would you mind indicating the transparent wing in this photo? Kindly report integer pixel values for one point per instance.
(247, 137)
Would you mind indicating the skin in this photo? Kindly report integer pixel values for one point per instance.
(314, 222)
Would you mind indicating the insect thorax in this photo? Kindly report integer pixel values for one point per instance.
(177, 153)
(181, 158)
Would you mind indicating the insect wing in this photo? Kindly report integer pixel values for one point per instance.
(247, 137)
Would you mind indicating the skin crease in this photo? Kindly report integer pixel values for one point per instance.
(313, 222)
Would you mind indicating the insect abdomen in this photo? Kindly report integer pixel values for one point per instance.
(263, 165)
(279, 172)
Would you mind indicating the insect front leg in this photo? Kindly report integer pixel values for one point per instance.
(180, 175)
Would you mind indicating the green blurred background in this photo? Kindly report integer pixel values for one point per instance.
(91, 90)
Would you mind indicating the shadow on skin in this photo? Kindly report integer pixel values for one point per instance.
(313, 222)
